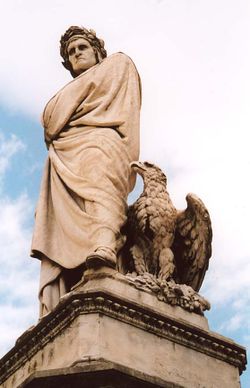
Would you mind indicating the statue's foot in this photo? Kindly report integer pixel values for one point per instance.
(102, 256)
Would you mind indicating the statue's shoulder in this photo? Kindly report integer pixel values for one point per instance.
(119, 58)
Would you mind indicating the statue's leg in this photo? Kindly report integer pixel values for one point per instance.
(52, 286)
(106, 241)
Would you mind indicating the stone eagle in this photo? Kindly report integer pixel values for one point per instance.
(172, 245)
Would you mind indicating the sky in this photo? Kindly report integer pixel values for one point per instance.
(193, 57)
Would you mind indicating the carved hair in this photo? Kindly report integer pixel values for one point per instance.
(75, 32)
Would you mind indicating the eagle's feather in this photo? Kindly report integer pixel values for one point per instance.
(168, 243)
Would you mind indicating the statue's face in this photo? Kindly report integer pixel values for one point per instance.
(81, 55)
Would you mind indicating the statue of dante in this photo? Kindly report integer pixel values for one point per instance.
(92, 133)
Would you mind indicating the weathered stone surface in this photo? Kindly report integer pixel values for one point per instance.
(99, 323)
(167, 251)
(107, 280)
(94, 374)
(91, 129)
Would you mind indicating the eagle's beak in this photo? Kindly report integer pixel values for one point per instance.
(137, 165)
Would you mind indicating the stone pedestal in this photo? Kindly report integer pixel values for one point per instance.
(106, 333)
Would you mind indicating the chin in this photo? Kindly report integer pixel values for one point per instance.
(80, 70)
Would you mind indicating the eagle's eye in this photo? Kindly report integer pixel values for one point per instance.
(147, 164)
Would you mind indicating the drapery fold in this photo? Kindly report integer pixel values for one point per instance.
(92, 131)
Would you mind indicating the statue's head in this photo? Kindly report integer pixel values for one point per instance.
(81, 49)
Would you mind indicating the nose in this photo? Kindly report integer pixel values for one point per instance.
(77, 52)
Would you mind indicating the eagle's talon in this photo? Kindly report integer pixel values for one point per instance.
(174, 244)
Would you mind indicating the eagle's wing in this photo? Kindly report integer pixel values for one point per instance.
(192, 245)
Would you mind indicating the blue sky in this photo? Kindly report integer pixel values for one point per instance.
(194, 59)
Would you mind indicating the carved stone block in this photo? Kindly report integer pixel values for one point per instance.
(106, 333)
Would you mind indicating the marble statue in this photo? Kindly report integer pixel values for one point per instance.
(166, 250)
(119, 284)
(91, 130)
(82, 220)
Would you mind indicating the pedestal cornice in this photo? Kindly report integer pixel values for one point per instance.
(88, 302)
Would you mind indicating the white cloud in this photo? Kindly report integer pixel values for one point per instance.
(194, 62)
(238, 321)
(8, 148)
(18, 276)
(15, 321)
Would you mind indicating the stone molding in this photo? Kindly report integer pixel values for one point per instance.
(77, 303)
(126, 377)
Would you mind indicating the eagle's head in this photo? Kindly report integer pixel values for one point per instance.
(149, 172)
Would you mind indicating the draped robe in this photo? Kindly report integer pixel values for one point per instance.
(92, 132)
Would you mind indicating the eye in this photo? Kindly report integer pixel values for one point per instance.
(148, 164)
(71, 51)
(82, 47)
